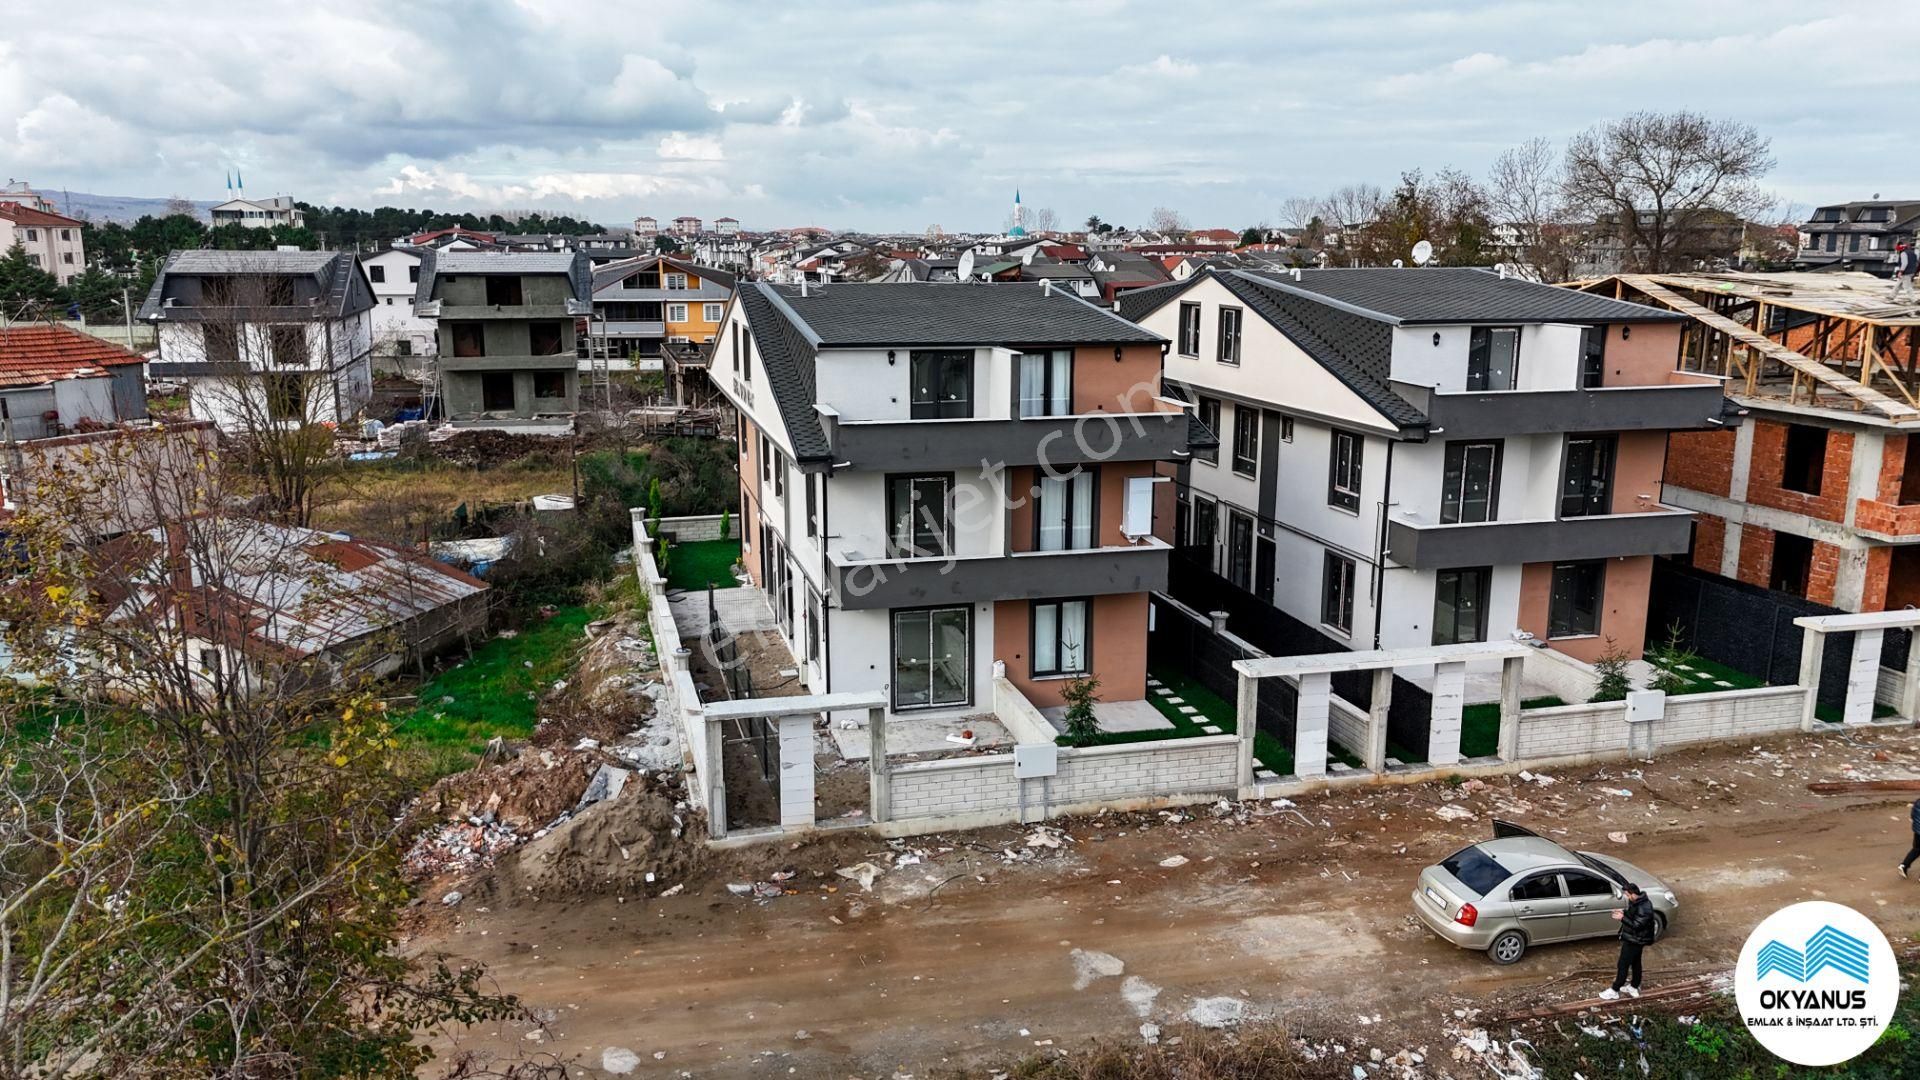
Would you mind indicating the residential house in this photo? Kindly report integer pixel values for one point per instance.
(937, 480)
(52, 241)
(455, 238)
(1430, 456)
(1116, 272)
(687, 225)
(639, 304)
(21, 193)
(727, 226)
(55, 380)
(730, 252)
(398, 331)
(264, 336)
(1858, 235)
(506, 349)
(257, 213)
(645, 229)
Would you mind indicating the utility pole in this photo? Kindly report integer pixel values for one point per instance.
(126, 309)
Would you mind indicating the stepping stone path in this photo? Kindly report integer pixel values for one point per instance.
(1212, 730)
(1188, 710)
(1721, 682)
(1163, 691)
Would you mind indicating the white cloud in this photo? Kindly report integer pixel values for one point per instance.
(1164, 66)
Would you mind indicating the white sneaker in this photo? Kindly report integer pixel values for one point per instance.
(1630, 991)
(1609, 994)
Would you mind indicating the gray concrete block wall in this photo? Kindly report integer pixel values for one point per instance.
(974, 785)
(1566, 730)
(1347, 726)
(1569, 730)
(1891, 685)
(986, 786)
(698, 527)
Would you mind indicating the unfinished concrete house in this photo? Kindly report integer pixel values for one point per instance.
(507, 330)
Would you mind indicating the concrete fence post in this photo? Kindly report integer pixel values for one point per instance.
(717, 788)
(1910, 693)
(1863, 676)
(1512, 672)
(1246, 724)
(1377, 720)
(879, 793)
(1310, 724)
(1449, 701)
(796, 771)
(1812, 651)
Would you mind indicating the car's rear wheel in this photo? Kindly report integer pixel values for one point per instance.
(1659, 926)
(1508, 947)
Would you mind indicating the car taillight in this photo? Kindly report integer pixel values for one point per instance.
(1468, 915)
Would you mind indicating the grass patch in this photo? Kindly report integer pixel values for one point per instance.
(496, 692)
(694, 564)
(1213, 710)
(1479, 729)
(1701, 680)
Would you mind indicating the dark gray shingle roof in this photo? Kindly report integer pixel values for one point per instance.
(921, 313)
(1355, 349)
(786, 357)
(341, 284)
(1436, 294)
(574, 264)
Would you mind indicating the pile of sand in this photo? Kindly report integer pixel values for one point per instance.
(610, 848)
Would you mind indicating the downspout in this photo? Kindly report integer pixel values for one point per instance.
(826, 624)
(1380, 544)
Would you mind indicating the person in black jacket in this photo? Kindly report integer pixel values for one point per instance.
(1636, 933)
(1914, 851)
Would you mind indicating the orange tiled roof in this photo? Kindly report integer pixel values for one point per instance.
(21, 214)
(36, 353)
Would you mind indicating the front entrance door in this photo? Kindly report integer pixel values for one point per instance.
(932, 657)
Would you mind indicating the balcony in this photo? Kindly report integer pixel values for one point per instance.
(1494, 414)
(623, 328)
(1894, 523)
(1091, 438)
(1425, 545)
(861, 584)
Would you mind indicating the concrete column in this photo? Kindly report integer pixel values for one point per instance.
(1863, 676)
(796, 771)
(1910, 694)
(1730, 547)
(1449, 698)
(879, 792)
(716, 771)
(1246, 723)
(1377, 720)
(1512, 671)
(1812, 645)
(1310, 724)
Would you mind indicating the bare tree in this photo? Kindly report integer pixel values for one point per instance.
(1301, 217)
(1666, 184)
(1043, 220)
(1168, 221)
(182, 206)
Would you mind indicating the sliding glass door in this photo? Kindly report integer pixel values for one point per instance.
(932, 651)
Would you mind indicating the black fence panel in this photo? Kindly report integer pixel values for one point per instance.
(1750, 629)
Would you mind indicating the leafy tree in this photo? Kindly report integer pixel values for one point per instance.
(23, 286)
(1613, 683)
(1093, 223)
(1081, 695)
(1252, 235)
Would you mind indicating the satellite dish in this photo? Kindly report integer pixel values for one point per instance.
(1423, 253)
(965, 269)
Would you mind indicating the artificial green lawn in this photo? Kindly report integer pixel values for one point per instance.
(1700, 680)
(498, 691)
(694, 564)
(1213, 710)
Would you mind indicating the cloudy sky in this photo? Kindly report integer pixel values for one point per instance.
(909, 113)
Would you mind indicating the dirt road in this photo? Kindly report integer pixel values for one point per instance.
(1300, 914)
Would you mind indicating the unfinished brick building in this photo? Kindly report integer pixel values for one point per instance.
(1817, 493)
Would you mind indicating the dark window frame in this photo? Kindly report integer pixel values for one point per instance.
(1595, 499)
(1190, 329)
(1480, 353)
(1227, 341)
(1205, 509)
(1593, 356)
(1454, 477)
(1246, 436)
(935, 408)
(377, 274)
(944, 539)
(1343, 492)
(1202, 405)
(1339, 575)
(1449, 585)
(1240, 556)
(1092, 473)
(1564, 618)
(1047, 394)
(893, 657)
(1034, 670)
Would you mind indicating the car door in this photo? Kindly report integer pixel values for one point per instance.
(1540, 907)
(1591, 902)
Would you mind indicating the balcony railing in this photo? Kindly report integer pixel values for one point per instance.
(861, 583)
(1088, 438)
(1492, 414)
(1426, 545)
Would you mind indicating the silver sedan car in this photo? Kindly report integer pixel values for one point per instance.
(1520, 889)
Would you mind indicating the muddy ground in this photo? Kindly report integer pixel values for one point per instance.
(975, 948)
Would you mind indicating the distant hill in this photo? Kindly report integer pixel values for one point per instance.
(125, 209)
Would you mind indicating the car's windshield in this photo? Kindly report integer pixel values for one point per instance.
(1475, 869)
(1593, 861)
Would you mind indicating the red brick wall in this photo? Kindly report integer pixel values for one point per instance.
(1824, 572)
(1874, 594)
(1701, 461)
(1893, 467)
(1709, 542)
(1756, 555)
(1769, 459)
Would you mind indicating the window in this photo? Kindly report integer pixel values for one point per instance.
(1060, 633)
(1593, 356)
(1493, 357)
(66, 234)
(1336, 592)
(932, 653)
(1063, 512)
(1538, 887)
(1805, 459)
(1208, 411)
(1229, 336)
(289, 345)
(403, 347)
(1343, 480)
(942, 385)
(676, 313)
(676, 281)
(917, 508)
(544, 338)
(1460, 605)
(67, 257)
(1190, 330)
(550, 384)
(413, 274)
(1265, 555)
(1286, 429)
(1046, 383)
(1475, 869)
(813, 506)
(286, 397)
(1580, 883)
(710, 313)
(1853, 242)
(746, 352)
(377, 274)
(1470, 482)
(469, 339)
(1240, 549)
(496, 391)
(1246, 440)
(1206, 524)
(34, 258)
(503, 290)
(220, 343)
(1792, 563)
(33, 234)
(1586, 488)
(1573, 606)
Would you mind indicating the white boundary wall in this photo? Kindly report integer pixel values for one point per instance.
(681, 699)
(1579, 730)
